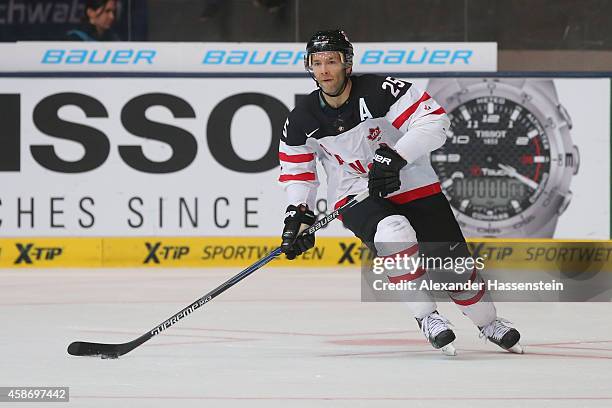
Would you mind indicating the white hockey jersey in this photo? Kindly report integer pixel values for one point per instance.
(379, 110)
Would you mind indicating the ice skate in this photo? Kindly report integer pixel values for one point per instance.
(437, 330)
(506, 337)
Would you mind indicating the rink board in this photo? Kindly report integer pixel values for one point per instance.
(205, 252)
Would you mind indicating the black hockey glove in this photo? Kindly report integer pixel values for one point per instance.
(384, 175)
(297, 219)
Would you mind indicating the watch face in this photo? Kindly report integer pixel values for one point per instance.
(496, 160)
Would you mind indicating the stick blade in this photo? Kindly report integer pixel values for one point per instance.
(83, 348)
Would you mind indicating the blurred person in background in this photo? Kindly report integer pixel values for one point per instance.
(99, 18)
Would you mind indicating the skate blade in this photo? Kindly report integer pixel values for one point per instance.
(449, 350)
(517, 349)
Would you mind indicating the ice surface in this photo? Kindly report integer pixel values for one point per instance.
(285, 338)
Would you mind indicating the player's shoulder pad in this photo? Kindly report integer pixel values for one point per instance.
(385, 88)
(300, 121)
(379, 92)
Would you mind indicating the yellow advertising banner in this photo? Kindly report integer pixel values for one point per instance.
(204, 252)
(176, 252)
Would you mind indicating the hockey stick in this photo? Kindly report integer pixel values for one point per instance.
(83, 348)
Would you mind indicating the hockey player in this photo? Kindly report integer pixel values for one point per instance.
(377, 132)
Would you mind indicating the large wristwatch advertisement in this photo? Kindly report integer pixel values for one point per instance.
(509, 159)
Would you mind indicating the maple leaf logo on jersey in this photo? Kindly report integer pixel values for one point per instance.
(374, 134)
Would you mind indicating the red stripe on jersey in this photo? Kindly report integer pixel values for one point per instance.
(297, 177)
(438, 111)
(407, 277)
(340, 204)
(399, 121)
(296, 158)
(416, 193)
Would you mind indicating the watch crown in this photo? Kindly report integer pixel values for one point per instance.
(576, 155)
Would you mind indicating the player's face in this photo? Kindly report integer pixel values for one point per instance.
(328, 70)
